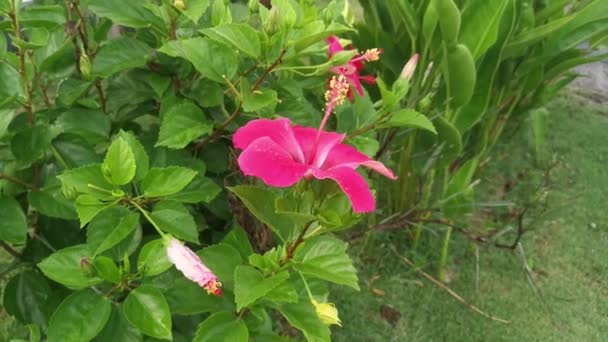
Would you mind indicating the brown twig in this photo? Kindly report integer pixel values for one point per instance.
(291, 249)
(27, 89)
(16, 181)
(216, 133)
(10, 250)
(448, 290)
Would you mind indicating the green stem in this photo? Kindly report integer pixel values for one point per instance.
(443, 260)
(306, 286)
(149, 218)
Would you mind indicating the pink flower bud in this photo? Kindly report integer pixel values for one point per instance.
(410, 68)
(187, 262)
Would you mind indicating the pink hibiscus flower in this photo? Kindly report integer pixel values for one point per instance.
(281, 154)
(354, 66)
(187, 262)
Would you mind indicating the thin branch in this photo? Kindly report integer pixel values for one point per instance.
(17, 181)
(11, 250)
(27, 89)
(293, 247)
(448, 290)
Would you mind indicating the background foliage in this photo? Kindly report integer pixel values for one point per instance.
(115, 119)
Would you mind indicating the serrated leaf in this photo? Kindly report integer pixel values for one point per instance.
(147, 309)
(89, 206)
(167, 181)
(152, 259)
(63, 267)
(142, 161)
(13, 223)
(195, 9)
(222, 326)
(241, 37)
(174, 218)
(250, 285)
(213, 60)
(119, 165)
(181, 125)
(120, 54)
(80, 317)
(77, 181)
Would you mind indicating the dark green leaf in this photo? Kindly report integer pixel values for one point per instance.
(222, 259)
(70, 90)
(181, 124)
(119, 55)
(152, 259)
(174, 218)
(130, 14)
(107, 269)
(200, 190)
(250, 285)
(147, 309)
(167, 181)
(13, 223)
(74, 151)
(237, 238)
(187, 298)
(80, 317)
(29, 144)
(50, 201)
(63, 267)
(303, 316)
(409, 118)
(25, 297)
(110, 228)
(119, 329)
(92, 125)
(222, 326)
(119, 165)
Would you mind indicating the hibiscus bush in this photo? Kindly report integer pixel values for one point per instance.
(183, 169)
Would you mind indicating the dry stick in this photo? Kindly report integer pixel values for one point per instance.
(20, 51)
(237, 112)
(448, 290)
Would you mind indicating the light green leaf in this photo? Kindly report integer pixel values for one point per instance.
(119, 165)
(257, 99)
(213, 60)
(152, 259)
(147, 309)
(142, 160)
(89, 206)
(303, 317)
(130, 14)
(181, 124)
(480, 24)
(63, 267)
(238, 239)
(195, 9)
(222, 326)
(250, 285)
(13, 223)
(77, 181)
(167, 181)
(110, 228)
(174, 218)
(200, 190)
(120, 54)
(409, 118)
(222, 259)
(80, 317)
(241, 37)
(107, 269)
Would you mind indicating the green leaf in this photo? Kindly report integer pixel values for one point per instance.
(92, 125)
(222, 326)
(110, 228)
(258, 99)
(480, 24)
(457, 199)
(241, 37)
(74, 151)
(147, 309)
(325, 257)
(42, 16)
(195, 9)
(152, 259)
(25, 297)
(186, 297)
(120, 54)
(70, 90)
(213, 60)
(238, 239)
(29, 144)
(167, 181)
(174, 218)
(200, 190)
(107, 269)
(142, 160)
(181, 124)
(520, 43)
(261, 202)
(222, 259)
(77, 181)
(13, 223)
(89, 206)
(6, 116)
(63, 267)
(51, 202)
(80, 317)
(9, 77)
(303, 317)
(119, 165)
(119, 329)
(539, 127)
(130, 14)
(409, 118)
(250, 285)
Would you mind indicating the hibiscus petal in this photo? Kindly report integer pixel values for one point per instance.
(306, 138)
(279, 130)
(270, 162)
(354, 81)
(353, 184)
(334, 45)
(369, 79)
(348, 156)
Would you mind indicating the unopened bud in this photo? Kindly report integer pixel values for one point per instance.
(253, 5)
(85, 66)
(271, 26)
(179, 4)
(86, 267)
(410, 67)
(327, 313)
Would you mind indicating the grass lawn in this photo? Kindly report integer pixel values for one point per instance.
(565, 295)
